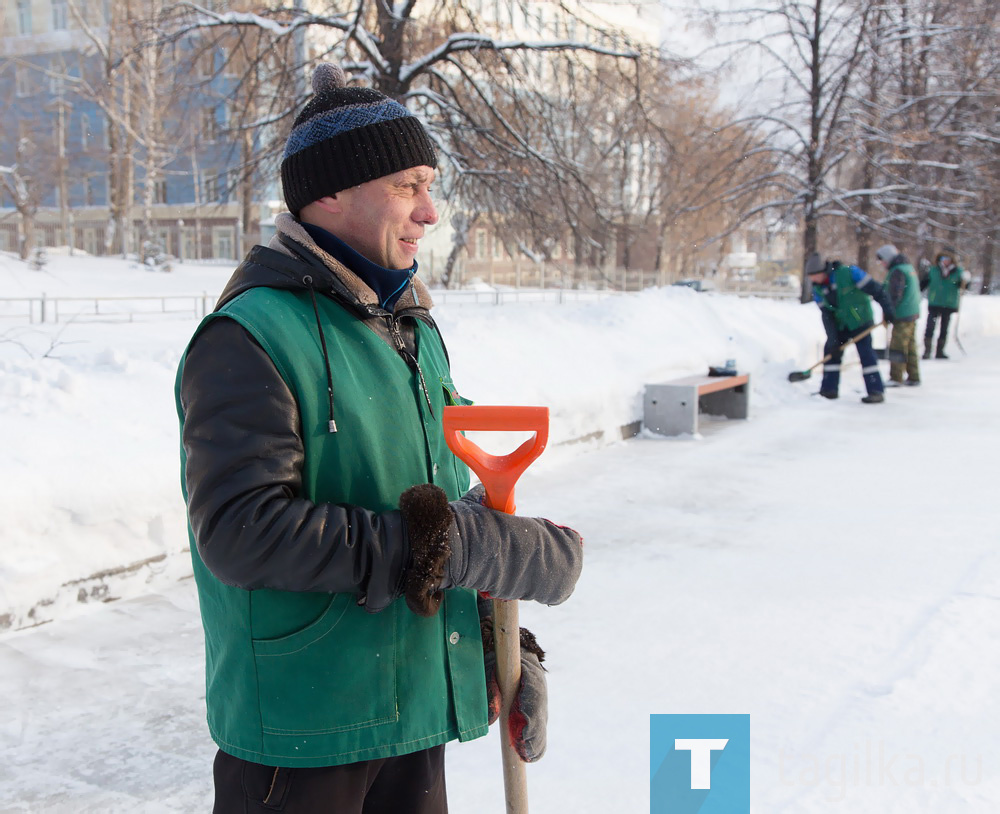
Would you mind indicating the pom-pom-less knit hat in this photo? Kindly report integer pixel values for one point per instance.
(346, 136)
(887, 253)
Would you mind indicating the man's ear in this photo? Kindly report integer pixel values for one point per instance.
(331, 204)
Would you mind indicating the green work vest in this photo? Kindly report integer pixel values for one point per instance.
(854, 308)
(944, 291)
(312, 679)
(909, 305)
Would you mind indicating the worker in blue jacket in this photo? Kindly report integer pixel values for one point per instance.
(844, 294)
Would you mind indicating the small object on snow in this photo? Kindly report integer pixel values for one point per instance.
(728, 370)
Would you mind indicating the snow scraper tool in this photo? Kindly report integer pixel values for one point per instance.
(802, 375)
(499, 474)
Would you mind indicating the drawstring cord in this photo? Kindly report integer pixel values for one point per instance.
(331, 424)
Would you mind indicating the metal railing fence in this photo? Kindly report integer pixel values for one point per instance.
(128, 308)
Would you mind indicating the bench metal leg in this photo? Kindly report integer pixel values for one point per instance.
(733, 403)
(670, 410)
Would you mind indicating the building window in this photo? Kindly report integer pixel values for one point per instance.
(215, 186)
(56, 84)
(22, 81)
(229, 63)
(209, 124)
(84, 131)
(222, 242)
(160, 191)
(497, 248)
(188, 244)
(480, 244)
(90, 240)
(59, 15)
(206, 63)
(24, 16)
(161, 236)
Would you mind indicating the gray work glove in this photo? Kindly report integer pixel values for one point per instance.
(465, 543)
(529, 714)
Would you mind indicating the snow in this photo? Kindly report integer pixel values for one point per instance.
(829, 568)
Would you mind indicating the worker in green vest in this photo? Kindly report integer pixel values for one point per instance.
(336, 550)
(944, 283)
(844, 294)
(903, 289)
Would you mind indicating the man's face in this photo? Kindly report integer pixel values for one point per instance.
(383, 219)
(817, 278)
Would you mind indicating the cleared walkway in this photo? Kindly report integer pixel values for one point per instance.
(828, 567)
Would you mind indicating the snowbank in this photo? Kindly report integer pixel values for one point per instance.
(92, 507)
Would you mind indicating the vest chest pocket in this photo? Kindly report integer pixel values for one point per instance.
(335, 674)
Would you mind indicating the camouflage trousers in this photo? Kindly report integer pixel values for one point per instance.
(904, 339)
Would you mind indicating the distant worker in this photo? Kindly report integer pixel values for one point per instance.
(844, 294)
(903, 287)
(944, 283)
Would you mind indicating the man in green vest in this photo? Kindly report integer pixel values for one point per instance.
(844, 294)
(944, 283)
(336, 559)
(903, 288)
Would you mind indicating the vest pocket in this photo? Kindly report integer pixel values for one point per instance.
(337, 673)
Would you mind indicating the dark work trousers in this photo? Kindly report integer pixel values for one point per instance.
(933, 312)
(869, 362)
(412, 783)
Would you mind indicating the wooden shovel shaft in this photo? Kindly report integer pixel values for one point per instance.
(507, 643)
(843, 347)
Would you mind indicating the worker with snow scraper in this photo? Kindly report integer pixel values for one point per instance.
(336, 560)
(844, 294)
(903, 288)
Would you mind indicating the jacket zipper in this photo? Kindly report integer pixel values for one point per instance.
(410, 359)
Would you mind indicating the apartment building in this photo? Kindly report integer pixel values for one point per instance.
(74, 123)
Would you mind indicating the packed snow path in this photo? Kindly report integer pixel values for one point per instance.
(830, 568)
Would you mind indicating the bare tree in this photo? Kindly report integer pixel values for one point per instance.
(29, 172)
(811, 50)
(927, 127)
(110, 85)
(477, 91)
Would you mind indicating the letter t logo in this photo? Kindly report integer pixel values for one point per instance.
(701, 758)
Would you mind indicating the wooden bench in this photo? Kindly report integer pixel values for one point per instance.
(671, 408)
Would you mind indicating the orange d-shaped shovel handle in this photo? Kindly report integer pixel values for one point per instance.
(499, 473)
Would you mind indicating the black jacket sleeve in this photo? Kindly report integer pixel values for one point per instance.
(876, 292)
(244, 477)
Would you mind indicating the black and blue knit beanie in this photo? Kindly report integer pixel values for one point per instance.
(346, 136)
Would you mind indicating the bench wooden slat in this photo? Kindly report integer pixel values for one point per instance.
(711, 384)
